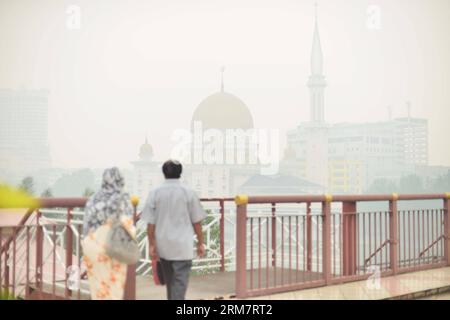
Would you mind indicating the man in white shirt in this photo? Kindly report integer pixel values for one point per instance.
(173, 213)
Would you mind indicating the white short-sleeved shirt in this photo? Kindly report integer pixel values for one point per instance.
(173, 208)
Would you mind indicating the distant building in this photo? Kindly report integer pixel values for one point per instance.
(320, 157)
(220, 111)
(412, 140)
(279, 185)
(24, 143)
(146, 173)
(348, 157)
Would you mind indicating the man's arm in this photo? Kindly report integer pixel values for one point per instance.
(151, 240)
(149, 216)
(200, 245)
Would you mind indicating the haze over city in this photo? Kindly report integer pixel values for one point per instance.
(224, 150)
(140, 68)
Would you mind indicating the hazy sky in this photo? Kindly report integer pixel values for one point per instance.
(142, 67)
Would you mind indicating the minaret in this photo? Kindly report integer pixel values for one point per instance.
(316, 82)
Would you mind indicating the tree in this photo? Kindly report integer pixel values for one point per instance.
(441, 183)
(27, 185)
(74, 184)
(88, 192)
(47, 193)
(411, 184)
(381, 186)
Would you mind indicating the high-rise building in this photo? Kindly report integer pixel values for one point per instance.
(24, 130)
(412, 140)
(348, 157)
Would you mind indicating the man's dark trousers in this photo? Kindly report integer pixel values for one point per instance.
(176, 276)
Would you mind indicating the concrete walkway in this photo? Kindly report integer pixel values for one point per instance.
(404, 286)
(416, 285)
(218, 285)
(429, 284)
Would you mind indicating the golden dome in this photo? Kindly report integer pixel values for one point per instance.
(223, 111)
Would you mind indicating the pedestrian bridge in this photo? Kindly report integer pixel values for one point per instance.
(257, 246)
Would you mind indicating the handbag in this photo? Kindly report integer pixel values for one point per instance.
(121, 245)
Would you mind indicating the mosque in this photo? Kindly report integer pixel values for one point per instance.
(223, 111)
(220, 111)
(320, 157)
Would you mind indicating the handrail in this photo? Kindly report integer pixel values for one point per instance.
(69, 203)
(81, 202)
(45, 203)
(385, 243)
(343, 198)
(348, 255)
(431, 245)
(22, 222)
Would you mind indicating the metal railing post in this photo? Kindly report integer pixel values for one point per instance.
(130, 281)
(1, 253)
(308, 237)
(326, 239)
(39, 254)
(393, 233)
(349, 237)
(69, 251)
(222, 235)
(241, 246)
(6, 270)
(27, 271)
(5, 274)
(447, 228)
(274, 235)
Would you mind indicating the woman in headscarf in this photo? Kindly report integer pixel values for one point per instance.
(106, 275)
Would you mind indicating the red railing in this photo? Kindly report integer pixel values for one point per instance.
(283, 243)
(34, 259)
(30, 269)
(294, 242)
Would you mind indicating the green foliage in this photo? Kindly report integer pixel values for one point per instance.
(88, 192)
(27, 185)
(411, 184)
(5, 295)
(380, 186)
(47, 193)
(74, 184)
(441, 183)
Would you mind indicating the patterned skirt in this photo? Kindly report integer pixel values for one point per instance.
(106, 275)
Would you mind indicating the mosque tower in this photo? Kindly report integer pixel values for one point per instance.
(316, 82)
